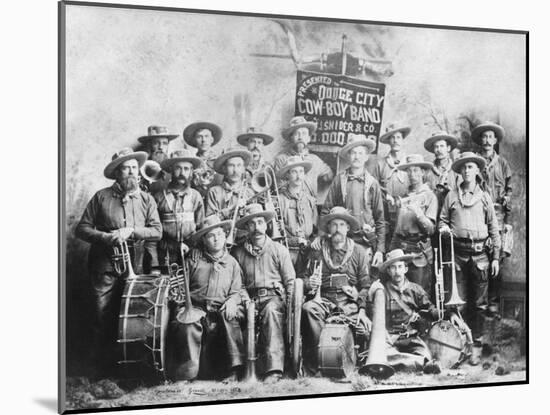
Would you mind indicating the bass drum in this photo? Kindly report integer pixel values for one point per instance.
(142, 327)
(336, 352)
(447, 344)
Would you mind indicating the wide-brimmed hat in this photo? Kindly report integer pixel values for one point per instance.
(294, 161)
(438, 136)
(391, 129)
(190, 130)
(242, 139)
(468, 157)
(484, 126)
(252, 211)
(156, 131)
(118, 158)
(180, 155)
(339, 212)
(395, 256)
(230, 153)
(298, 122)
(415, 160)
(356, 140)
(209, 223)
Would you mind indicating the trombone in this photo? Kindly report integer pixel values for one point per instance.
(439, 263)
(122, 262)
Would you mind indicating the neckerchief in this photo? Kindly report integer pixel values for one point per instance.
(325, 251)
(477, 196)
(491, 162)
(210, 258)
(173, 196)
(299, 198)
(393, 164)
(231, 190)
(439, 169)
(124, 197)
(254, 250)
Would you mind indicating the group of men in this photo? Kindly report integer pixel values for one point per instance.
(374, 230)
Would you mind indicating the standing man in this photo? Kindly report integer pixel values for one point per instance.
(156, 142)
(213, 341)
(255, 141)
(116, 214)
(416, 221)
(469, 214)
(269, 280)
(299, 134)
(180, 207)
(357, 191)
(344, 282)
(298, 205)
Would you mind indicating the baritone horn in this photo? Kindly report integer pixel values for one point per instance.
(121, 260)
(151, 171)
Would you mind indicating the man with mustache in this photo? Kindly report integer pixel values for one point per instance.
(299, 134)
(255, 141)
(269, 280)
(180, 207)
(115, 214)
(344, 282)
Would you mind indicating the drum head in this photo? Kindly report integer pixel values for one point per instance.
(446, 343)
(336, 351)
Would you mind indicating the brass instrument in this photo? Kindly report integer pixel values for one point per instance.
(230, 241)
(151, 171)
(250, 374)
(317, 271)
(177, 284)
(122, 262)
(293, 324)
(189, 314)
(455, 299)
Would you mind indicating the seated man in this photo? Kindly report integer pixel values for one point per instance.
(213, 341)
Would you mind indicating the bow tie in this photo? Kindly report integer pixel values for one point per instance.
(352, 178)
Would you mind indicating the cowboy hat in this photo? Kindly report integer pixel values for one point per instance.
(468, 157)
(230, 153)
(391, 130)
(252, 211)
(339, 212)
(415, 160)
(395, 256)
(180, 155)
(154, 131)
(298, 122)
(190, 131)
(438, 136)
(242, 139)
(487, 125)
(356, 140)
(118, 158)
(294, 161)
(209, 223)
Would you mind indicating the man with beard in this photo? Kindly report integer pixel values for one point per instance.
(213, 340)
(299, 133)
(469, 214)
(269, 280)
(394, 182)
(357, 191)
(416, 218)
(180, 207)
(203, 136)
(255, 142)
(298, 205)
(116, 214)
(344, 282)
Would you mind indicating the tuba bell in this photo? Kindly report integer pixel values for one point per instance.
(151, 171)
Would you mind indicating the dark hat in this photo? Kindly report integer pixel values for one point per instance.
(339, 212)
(209, 223)
(180, 155)
(468, 157)
(298, 122)
(438, 136)
(118, 158)
(395, 256)
(294, 161)
(356, 140)
(242, 139)
(415, 160)
(252, 211)
(230, 153)
(391, 129)
(190, 130)
(487, 125)
(154, 131)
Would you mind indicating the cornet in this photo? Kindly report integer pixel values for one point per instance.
(122, 262)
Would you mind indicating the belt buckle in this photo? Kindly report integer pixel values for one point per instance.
(262, 292)
(478, 247)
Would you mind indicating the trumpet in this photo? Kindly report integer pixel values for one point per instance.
(121, 260)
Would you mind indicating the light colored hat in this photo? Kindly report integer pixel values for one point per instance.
(391, 129)
(230, 153)
(180, 155)
(254, 210)
(209, 223)
(395, 256)
(339, 212)
(299, 122)
(242, 139)
(415, 160)
(154, 131)
(294, 161)
(118, 158)
(356, 140)
(468, 157)
(438, 136)
(190, 130)
(487, 125)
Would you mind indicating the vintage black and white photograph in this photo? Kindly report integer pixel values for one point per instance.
(267, 206)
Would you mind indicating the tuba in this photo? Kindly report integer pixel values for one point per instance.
(121, 260)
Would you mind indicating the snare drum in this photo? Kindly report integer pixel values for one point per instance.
(336, 352)
(447, 344)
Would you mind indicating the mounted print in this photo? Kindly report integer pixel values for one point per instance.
(277, 207)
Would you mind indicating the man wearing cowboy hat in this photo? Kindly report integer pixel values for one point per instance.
(180, 207)
(298, 205)
(269, 280)
(394, 182)
(212, 339)
(356, 190)
(416, 220)
(156, 142)
(299, 133)
(344, 282)
(116, 214)
(203, 136)
(469, 214)
(255, 141)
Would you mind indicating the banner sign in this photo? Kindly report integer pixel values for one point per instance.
(340, 105)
